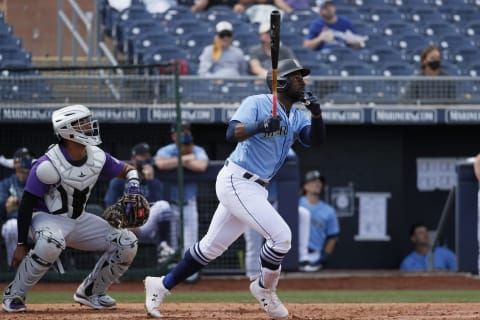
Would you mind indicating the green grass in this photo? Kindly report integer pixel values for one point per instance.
(326, 296)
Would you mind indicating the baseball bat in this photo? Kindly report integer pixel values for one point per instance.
(274, 51)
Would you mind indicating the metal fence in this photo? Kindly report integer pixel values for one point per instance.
(152, 85)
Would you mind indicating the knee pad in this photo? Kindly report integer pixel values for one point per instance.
(49, 244)
(125, 243)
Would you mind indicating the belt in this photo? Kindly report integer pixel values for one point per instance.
(247, 175)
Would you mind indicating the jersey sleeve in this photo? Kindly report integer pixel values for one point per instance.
(247, 112)
(164, 152)
(112, 166)
(33, 184)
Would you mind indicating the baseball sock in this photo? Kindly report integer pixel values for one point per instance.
(185, 268)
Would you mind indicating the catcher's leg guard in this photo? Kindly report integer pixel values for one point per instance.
(112, 264)
(48, 247)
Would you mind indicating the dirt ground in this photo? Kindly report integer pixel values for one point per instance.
(252, 311)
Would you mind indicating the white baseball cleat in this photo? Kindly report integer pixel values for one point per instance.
(99, 302)
(268, 300)
(14, 304)
(155, 292)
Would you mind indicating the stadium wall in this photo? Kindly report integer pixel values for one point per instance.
(371, 158)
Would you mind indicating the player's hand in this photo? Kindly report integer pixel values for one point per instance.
(147, 172)
(12, 204)
(270, 124)
(311, 103)
(19, 254)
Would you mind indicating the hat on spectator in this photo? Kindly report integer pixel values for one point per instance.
(140, 149)
(313, 175)
(21, 153)
(184, 126)
(323, 3)
(264, 27)
(223, 26)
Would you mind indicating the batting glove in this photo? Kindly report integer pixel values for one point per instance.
(270, 124)
(311, 103)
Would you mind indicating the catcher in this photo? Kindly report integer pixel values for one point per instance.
(52, 210)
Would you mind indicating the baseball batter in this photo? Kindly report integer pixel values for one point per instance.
(52, 209)
(263, 144)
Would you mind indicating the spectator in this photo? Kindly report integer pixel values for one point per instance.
(195, 159)
(201, 5)
(330, 30)
(260, 55)
(221, 59)
(11, 191)
(257, 10)
(442, 91)
(420, 258)
(318, 225)
(298, 4)
(162, 222)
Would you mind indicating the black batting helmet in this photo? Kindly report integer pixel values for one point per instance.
(285, 67)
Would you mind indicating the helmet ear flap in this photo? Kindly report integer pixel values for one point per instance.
(283, 83)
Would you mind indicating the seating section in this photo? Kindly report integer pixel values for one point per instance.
(397, 29)
(14, 60)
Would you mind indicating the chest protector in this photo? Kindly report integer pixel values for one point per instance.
(69, 195)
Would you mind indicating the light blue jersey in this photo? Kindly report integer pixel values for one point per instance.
(190, 188)
(264, 153)
(443, 259)
(323, 223)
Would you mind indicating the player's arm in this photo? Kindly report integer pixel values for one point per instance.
(196, 165)
(239, 131)
(315, 133)
(163, 163)
(24, 220)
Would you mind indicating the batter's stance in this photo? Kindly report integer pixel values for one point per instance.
(263, 145)
(52, 209)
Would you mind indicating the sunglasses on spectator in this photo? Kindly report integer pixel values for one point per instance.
(224, 34)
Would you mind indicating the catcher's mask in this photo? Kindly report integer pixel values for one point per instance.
(286, 67)
(75, 123)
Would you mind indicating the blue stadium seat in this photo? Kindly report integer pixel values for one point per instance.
(467, 91)
(463, 57)
(195, 40)
(397, 69)
(424, 16)
(244, 41)
(451, 41)
(365, 28)
(382, 56)
(235, 91)
(472, 31)
(300, 28)
(396, 29)
(439, 29)
(472, 69)
(162, 55)
(336, 55)
(377, 41)
(133, 31)
(354, 69)
(184, 26)
(154, 38)
(410, 42)
(318, 69)
(458, 13)
(214, 16)
(382, 16)
(300, 15)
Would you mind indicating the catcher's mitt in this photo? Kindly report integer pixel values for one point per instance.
(132, 210)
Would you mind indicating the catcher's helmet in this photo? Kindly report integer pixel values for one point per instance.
(285, 67)
(67, 125)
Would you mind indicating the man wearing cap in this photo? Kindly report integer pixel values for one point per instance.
(262, 144)
(318, 224)
(11, 191)
(162, 222)
(260, 55)
(195, 159)
(331, 30)
(221, 59)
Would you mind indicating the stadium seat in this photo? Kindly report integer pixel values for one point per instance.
(300, 15)
(184, 26)
(463, 57)
(133, 31)
(365, 29)
(437, 30)
(377, 41)
(451, 69)
(396, 69)
(451, 41)
(382, 16)
(336, 55)
(411, 42)
(154, 38)
(472, 69)
(467, 91)
(382, 56)
(424, 16)
(354, 69)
